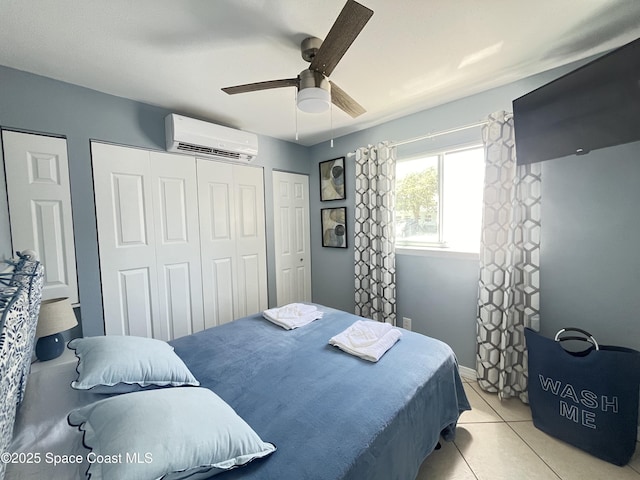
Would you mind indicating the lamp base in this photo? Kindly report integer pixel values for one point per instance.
(50, 347)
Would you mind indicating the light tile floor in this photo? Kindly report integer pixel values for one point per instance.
(496, 440)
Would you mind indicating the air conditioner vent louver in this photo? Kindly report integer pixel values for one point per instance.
(203, 139)
(188, 147)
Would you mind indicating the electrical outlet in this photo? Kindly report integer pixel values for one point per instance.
(406, 323)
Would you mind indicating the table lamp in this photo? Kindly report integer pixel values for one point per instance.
(56, 316)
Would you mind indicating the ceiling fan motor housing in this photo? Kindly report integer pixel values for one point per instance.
(311, 78)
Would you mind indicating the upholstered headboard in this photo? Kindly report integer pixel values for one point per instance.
(20, 295)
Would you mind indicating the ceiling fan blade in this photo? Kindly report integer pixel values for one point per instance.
(253, 87)
(344, 31)
(344, 102)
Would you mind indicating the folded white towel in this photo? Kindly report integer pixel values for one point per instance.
(367, 339)
(293, 315)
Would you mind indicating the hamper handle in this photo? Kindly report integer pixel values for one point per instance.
(589, 338)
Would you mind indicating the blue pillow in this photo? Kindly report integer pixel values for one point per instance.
(121, 364)
(167, 434)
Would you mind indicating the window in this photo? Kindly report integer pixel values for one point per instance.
(439, 200)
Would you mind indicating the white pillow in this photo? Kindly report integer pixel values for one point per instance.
(121, 364)
(167, 434)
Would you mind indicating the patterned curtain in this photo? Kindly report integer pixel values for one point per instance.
(375, 262)
(509, 290)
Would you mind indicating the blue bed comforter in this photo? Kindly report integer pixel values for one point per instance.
(330, 414)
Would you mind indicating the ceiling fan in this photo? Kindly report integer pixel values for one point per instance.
(315, 91)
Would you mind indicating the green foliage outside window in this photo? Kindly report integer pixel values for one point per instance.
(417, 194)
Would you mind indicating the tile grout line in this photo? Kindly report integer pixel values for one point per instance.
(512, 429)
(488, 404)
(471, 384)
(637, 470)
(465, 460)
(456, 445)
(534, 451)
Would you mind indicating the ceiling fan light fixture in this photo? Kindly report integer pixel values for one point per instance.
(314, 100)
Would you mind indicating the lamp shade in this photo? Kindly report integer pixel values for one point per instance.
(56, 315)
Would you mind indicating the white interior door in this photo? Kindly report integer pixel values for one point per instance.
(251, 248)
(232, 237)
(126, 235)
(182, 241)
(177, 246)
(147, 215)
(39, 194)
(292, 241)
(217, 241)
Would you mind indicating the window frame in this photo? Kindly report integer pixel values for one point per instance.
(431, 248)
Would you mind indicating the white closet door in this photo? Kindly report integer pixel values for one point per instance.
(175, 207)
(251, 249)
(38, 190)
(232, 236)
(126, 236)
(291, 235)
(217, 241)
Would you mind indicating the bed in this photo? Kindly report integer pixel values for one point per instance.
(331, 415)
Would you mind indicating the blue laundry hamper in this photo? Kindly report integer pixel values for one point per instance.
(587, 398)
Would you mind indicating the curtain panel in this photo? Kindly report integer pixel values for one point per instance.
(374, 229)
(509, 286)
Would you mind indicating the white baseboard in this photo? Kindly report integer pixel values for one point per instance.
(467, 373)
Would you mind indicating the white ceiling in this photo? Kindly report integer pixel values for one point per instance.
(412, 55)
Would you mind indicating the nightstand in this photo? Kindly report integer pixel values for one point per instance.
(68, 356)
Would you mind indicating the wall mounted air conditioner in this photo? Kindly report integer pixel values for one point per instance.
(195, 137)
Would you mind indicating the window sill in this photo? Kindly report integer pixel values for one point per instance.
(437, 252)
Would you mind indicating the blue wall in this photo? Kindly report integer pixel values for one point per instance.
(590, 272)
(38, 104)
(590, 268)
